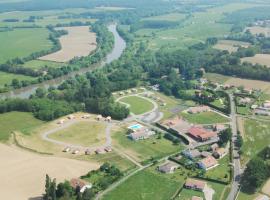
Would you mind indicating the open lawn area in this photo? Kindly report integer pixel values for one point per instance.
(38, 64)
(23, 42)
(256, 137)
(137, 104)
(82, 133)
(17, 121)
(6, 78)
(144, 149)
(187, 194)
(205, 118)
(145, 185)
(263, 59)
(216, 78)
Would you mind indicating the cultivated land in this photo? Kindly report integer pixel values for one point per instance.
(256, 138)
(79, 42)
(82, 133)
(205, 118)
(17, 121)
(263, 59)
(23, 42)
(23, 173)
(6, 78)
(256, 30)
(174, 17)
(230, 45)
(137, 105)
(37, 64)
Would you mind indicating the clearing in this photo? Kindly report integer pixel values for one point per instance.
(17, 121)
(137, 105)
(78, 43)
(230, 45)
(23, 173)
(205, 118)
(262, 59)
(6, 78)
(38, 64)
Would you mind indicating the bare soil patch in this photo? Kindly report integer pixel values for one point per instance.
(23, 173)
(266, 188)
(258, 29)
(230, 45)
(78, 43)
(263, 59)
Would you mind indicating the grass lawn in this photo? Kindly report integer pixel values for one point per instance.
(205, 118)
(138, 105)
(145, 149)
(17, 121)
(37, 64)
(256, 138)
(83, 133)
(186, 194)
(221, 103)
(145, 185)
(216, 78)
(243, 110)
(23, 42)
(6, 78)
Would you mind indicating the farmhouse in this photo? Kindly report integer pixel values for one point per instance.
(219, 153)
(61, 121)
(261, 111)
(168, 167)
(66, 149)
(201, 134)
(139, 132)
(198, 109)
(108, 149)
(195, 184)
(71, 117)
(79, 183)
(176, 125)
(191, 154)
(208, 163)
(100, 151)
(99, 117)
(245, 101)
(75, 151)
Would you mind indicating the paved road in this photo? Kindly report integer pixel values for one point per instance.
(236, 158)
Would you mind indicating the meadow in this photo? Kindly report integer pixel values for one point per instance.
(23, 42)
(137, 104)
(262, 59)
(230, 45)
(17, 121)
(205, 118)
(38, 64)
(168, 17)
(6, 78)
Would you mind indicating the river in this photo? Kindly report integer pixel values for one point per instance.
(119, 47)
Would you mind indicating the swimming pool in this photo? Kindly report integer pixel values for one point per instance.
(135, 127)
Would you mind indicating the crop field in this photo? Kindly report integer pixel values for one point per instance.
(205, 118)
(79, 42)
(17, 121)
(38, 64)
(263, 59)
(82, 133)
(175, 17)
(23, 42)
(6, 78)
(144, 149)
(258, 131)
(256, 30)
(26, 172)
(145, 185)
(230, 45)
(137, 104)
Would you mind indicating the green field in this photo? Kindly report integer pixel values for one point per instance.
(83, 133)
(138, 105)
(6, 78)
(145, 185)
(145, 149)
(174, 17)
(256, 137)
(23, 42)
(216, 78)
(17, 121)
(205, 118)
(187, 194)
(37, 64)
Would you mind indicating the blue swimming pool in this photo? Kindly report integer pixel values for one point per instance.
(135, 126)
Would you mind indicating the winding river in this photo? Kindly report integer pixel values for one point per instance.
(119, 47)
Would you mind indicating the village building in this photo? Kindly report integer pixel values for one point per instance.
(219, 153)
(214, 147)
(61, 121)
(81, 184)
(195, 184)
(244, 101)
(139, 132)
(262, 197)
(176, 125)
(219, 127)
(198, 109)
(108, 149)
(99, 117)
(108, 119)
(196, 198)
(75, 151)
(201, 134)
(191, 154)
(66, 149)
(100, 151)
(263, 112)
(168, 167)
(254, 106)
(87, 152)
(205, 154)
(86, 116)
(70, 117)
(266, 104)
(207, 163)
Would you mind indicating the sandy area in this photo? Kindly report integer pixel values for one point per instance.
(266, 188)
(23, 173)
(263, 59)
(258, 29)
(79, 42)
(230, 45)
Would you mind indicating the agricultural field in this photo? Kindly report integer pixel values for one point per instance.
(230, 45)
(174, 17)
(205, 118)
(23, 42)
(144, 149)
(6, 78)
(137, 105)
(38, 64)
(216, 78)
(79, 42)
(84, 133)
(256, 30)
(258, 131)
(17, 121)
(145, 185)
(262, 59)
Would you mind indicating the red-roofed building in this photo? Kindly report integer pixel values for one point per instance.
(195, 184)
(201, 134)
(208, 163)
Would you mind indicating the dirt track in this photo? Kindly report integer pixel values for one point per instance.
(23, 173)
(79, 42)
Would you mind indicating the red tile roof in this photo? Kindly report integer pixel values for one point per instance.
(193, 183)
(201, 133)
